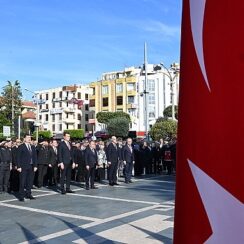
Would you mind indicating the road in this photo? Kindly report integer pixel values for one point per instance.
(141, 212)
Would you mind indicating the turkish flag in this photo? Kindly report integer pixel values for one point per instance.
(210, 162)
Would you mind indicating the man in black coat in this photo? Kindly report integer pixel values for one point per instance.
(5, 166)
(79, 159)
(14, 174)
(26, 165)
(53, 163)
(91, 161)
(113, 158)
(42, 162)
(129, 160)
(65, 158)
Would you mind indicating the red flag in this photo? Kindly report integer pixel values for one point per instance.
(210, 166)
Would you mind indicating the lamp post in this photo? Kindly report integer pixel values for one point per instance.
(175, 69)
(37, 124)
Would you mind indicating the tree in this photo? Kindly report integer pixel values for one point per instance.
(11, 100)
(168, 112)
(76, 134)
(3, 122)
(166, 129)
(105, 117)
(118, 127)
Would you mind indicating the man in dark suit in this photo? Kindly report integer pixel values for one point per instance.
(65, 158)
(113, 158)
(129, 160)
(91, 162)
(26, 165)
(42, 162)
(53, 163)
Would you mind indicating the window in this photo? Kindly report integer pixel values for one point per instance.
(53, 127)
(79, 117)
(86, 96)
(40, 117)
(86, 117)
(151, 85)
(132, 111)
(60, 116)
(53, 117)
(104, 90)
(53, 105)
(151, 99)
(46, 106)
(60, 127)
(86, 107)
(130, 87)
(151, 112)
(119, 88)
(46, 117)
(93, 90)
(40, 107)
(60, 94)
(79, 95)
(54, 94)
(105, 102)
(131, 99)
(67, 116)
(47, 96)
(41, 97)
(86, 127)
(92, 103)
(60, 104)
(120, 100)
(79, 126)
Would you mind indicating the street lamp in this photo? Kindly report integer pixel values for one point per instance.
(175, 69)
(37, 124)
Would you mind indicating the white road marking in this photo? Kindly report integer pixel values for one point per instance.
(154, 223)
(89, 225)
(41, 195)
(37, 210)
(144, 188)
(115, 199)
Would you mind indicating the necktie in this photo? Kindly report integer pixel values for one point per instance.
(68, 145)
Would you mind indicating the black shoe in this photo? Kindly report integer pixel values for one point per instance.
(94, 187)
(111, 184)
(130, 181)
(31, 197)
(21, 199)
(115, 184)
(69, 191)
(63, 192)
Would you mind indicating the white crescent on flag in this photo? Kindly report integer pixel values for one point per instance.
(197, 10)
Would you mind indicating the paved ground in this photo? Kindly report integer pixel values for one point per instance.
(141, 212)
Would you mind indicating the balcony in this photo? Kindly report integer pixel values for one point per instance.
(132, 105)
(69, 110)
(69, 121)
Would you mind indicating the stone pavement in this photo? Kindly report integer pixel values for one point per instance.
(135, 213)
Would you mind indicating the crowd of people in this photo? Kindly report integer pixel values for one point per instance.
(27, 164)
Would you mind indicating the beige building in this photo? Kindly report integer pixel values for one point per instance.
(124, 91)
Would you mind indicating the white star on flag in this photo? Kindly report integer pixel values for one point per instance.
(224, 211)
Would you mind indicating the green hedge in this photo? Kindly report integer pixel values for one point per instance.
(76, 134)
(45, 134)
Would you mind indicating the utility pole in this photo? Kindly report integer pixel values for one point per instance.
(12, 107)
(175, 69)
(145, 92)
